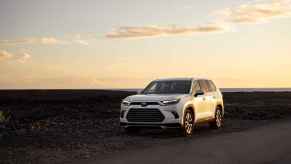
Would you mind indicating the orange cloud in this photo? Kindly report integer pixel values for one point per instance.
(254, 12)
(4, 55)
(24, 57)
(40, 40)
(152, 31)
(82, 42)
(48, 41)
(44, 41)
(258, 11)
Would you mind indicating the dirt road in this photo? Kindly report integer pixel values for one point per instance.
(266, 144)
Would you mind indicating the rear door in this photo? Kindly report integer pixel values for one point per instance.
(211, 98)
(204, 98)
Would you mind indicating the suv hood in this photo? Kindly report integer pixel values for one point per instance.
(153, 97)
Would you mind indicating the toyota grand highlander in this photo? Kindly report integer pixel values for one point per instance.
(174, 103)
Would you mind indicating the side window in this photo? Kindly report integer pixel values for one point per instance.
(209, 86)
(203, 85)
(212, 86)
(196, 87)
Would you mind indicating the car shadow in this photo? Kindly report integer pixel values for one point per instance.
(199, 130)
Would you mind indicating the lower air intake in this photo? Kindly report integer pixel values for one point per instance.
(144, 115)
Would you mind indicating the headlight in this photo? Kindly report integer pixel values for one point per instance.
(125, 103)
(170, 102)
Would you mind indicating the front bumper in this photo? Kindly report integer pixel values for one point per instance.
(170, 114)
(151, 125)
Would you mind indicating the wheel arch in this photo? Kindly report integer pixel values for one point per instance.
(220, 107)
(192, 108)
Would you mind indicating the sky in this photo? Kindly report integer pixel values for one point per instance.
(74, 44)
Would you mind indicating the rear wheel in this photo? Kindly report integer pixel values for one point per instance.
(218, 121)
(188, 125)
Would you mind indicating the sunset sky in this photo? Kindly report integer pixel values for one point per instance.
(127, 43)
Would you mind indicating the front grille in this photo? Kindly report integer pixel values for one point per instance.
(144, 103)
(144, 115)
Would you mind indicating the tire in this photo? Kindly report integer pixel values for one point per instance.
(218, 121)
(188, 123)
(132, 130)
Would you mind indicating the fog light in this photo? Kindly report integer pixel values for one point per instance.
(122, 114)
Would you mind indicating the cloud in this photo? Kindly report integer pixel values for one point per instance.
(153, 31)
(14, 42)
(24, 57)
(40, 40)
(50, 41)
(82, 39)
(82, 42)
(4, 55)
(78, 39)
(258, 11)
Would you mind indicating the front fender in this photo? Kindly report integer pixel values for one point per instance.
(187, 105)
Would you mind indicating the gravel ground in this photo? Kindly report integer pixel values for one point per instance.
(61, 126)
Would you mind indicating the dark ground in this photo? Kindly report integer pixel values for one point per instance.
(61, 126)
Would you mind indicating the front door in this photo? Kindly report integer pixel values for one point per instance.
(199, 101)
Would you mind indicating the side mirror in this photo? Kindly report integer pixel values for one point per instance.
(198, 93)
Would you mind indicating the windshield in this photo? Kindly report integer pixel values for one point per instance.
(168, 87)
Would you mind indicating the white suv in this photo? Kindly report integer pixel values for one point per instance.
(174, 103)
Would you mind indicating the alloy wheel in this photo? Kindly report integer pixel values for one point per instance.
(218, 118)
(188, 123)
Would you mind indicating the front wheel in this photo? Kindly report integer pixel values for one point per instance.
(218, 121)
(188, 125)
